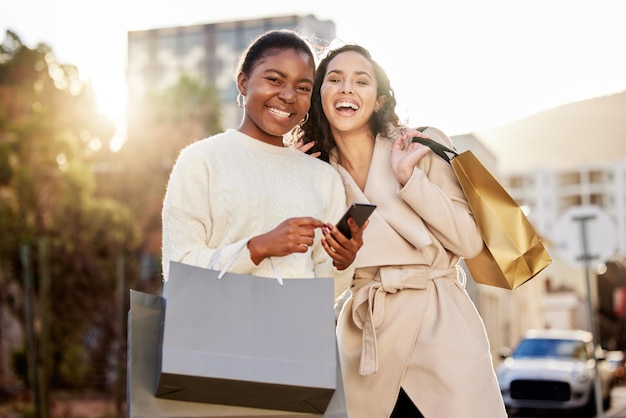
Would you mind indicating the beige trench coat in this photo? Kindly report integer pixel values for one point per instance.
(409, 322)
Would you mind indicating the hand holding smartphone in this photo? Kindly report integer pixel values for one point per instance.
(357, 211)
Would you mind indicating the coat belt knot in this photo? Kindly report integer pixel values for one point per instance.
(368, 309)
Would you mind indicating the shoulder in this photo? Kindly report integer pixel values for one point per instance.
(209, 142)
(437, 135)
(199, 149)
(304, 158)
(317, 170)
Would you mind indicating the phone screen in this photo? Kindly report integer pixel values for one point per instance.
(357, 211)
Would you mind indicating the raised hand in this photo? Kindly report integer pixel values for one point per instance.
(404, 156)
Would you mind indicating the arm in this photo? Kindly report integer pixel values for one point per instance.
(433, 191)
(187, 220)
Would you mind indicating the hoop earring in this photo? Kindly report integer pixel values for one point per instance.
(241, 101)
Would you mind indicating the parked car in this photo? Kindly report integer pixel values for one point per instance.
(554, 370)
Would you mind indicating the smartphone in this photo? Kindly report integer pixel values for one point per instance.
(357, 211)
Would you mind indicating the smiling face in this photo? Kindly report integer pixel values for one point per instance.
(277, 94)
(349, 93)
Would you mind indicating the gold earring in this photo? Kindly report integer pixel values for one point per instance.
(296, 133)
(241, 101)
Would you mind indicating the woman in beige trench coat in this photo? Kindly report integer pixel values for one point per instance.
(411, 341)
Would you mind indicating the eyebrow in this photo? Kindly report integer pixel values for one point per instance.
(283, 75)
(362, 72)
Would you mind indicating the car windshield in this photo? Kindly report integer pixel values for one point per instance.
(540, 347)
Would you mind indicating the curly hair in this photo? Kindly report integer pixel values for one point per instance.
(317, 128)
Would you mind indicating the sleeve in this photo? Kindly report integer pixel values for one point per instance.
(322, 263)
(435, 194)
(187, 222)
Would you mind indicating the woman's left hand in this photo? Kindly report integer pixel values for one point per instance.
(405, 156)
(341, 249)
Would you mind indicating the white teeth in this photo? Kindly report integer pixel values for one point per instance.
(279, 112)
(346, 104)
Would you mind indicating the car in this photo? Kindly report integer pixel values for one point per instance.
(554, 370)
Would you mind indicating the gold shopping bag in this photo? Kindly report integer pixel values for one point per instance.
(513, 251)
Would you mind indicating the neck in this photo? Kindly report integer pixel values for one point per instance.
(254, 132)
(354, 153)
(354, 148)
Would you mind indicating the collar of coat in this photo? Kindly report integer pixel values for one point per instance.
(403, 230)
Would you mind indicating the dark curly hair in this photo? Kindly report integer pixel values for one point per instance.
(317, 128)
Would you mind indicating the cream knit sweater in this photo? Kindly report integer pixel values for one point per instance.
(225, 189)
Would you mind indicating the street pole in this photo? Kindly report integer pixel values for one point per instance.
(586, 258)
(30, 328)
(45, 311)
(119, 393)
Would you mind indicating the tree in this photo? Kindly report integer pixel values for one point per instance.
(48, 128)
(159, 127)
(62, 189)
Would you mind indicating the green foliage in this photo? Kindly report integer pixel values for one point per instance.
(94, 206)
(159, 127)
(73, 366)
(48, 121)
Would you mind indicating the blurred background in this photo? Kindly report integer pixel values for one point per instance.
(97, 98)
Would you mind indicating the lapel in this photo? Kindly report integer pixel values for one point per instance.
(393, 220)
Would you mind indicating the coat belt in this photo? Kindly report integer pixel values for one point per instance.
(368, 308)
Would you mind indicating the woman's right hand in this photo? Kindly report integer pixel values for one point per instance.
(294, 235)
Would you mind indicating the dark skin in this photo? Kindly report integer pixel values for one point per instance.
(277, 94)
(295, 235)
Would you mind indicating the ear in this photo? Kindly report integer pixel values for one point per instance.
(242, 82)
(380, 102)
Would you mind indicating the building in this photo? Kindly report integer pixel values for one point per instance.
(157, 58)
(548, 193)
(557, 297)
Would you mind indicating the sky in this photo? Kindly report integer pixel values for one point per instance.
(460, 65)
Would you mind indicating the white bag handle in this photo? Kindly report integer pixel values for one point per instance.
(215, 262)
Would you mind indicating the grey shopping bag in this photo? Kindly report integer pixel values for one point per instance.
(145, 327)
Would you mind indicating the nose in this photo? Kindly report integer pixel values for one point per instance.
(346, 88)
(288, 94)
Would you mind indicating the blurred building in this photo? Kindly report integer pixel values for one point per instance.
(557, 297)
(157, 58)
(549, 194)
(561, 161)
